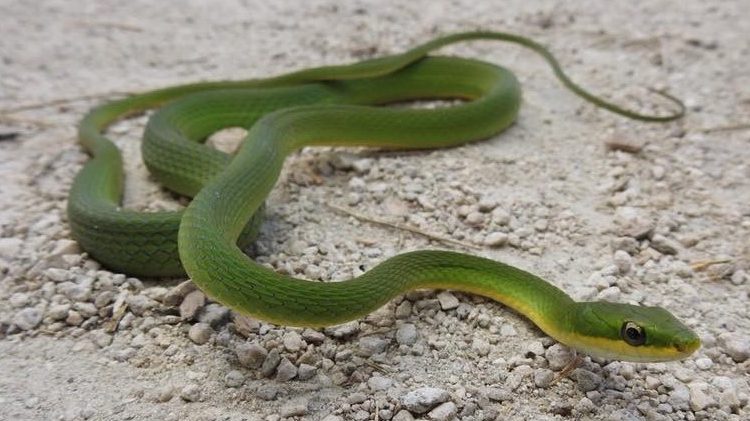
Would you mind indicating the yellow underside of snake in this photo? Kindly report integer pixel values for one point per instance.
(344, 106)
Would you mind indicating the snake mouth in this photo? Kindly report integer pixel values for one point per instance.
(688, 345)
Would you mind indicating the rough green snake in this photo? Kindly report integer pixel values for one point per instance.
(333, 105)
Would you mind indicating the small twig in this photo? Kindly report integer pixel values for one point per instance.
(29, 121)
(402, 227)
(732, 127)
(704, 264)
(378, 367)
(58, 101)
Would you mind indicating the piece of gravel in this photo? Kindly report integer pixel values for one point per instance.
(28, 318)
(423, 399)
(200, 333)
(270, 363)
(251, 355)
(406, 334)
(285, 370)
(191, 393)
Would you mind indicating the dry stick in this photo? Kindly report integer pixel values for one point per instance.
(44, 124)
(703, 264)
(402, 227)
(59, 101)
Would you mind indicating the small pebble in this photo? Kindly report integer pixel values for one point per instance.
(191, 304)
(496, 239)
(543, 377)
(28, 318)
(447, 300)
(140, 304)
(423, 399)
(558, 356)
(270, 363)
(377, 383)
(191, 393)
(371, 345)
(306, 371)
(200, 333)
(234, 378)
(293, 341)
(285, 371)
(699, 399)
(294, 408)
(58, 311)
(735, 345)
(623, 261)
(443, 412)
(587, 380)
(403, 415)
(251, 355)
(406, 334)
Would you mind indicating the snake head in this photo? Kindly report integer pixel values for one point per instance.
(630, 333)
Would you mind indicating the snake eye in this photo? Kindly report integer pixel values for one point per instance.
(632, 334)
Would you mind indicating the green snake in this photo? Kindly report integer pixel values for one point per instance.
(333, 105)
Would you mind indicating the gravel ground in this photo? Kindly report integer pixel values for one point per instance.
(604, 207)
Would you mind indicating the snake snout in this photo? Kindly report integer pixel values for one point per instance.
(687, 343)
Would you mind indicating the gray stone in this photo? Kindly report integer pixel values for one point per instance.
(294, 408)
(140, 304)
(214, 314)
(270, 363)
(28, 318)
(234, 378)
(543, 377)
(313, 336)
(371, 345)
(447, 300)
(191, 393)
(480, 346)
(86, 309)
(251, 355)
(735, 345)
(200, 333)
(623, 261)
(19, 299)
(558, 356)
(664, 245)
(74, 318)
(285, 371)
(378, 383)
(587, 380)
(164, 393)
(496, 239)
(443, 412)
(403, 415)
(191, 304)
(403, 310)
(406, 334)
(306, 371)
(699, 399)
(343, 331)
(58, 311)
(423, 399)
(356, 397)
(679, 398)
(293, 341)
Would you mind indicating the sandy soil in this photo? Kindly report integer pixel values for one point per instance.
(665, 225)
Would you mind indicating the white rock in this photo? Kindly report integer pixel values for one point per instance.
(558, 356)
(699, 399)
(447, 300)
(28, 318)
(200, 333)
(443, 412)
(377, 383)
(735, 345)
(191, 393)
(293, 341)
(623, 261)
(406, 334)
(423, 399)
(496, 239)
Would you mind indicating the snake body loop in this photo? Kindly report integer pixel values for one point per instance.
(333, 105)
